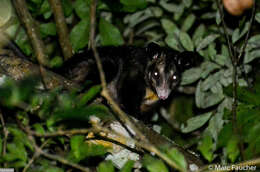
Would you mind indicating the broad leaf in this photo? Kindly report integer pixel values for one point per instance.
(186, 41)
(206, 41)
(195, 122)
(109, 34)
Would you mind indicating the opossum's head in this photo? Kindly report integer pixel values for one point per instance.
(163, 72)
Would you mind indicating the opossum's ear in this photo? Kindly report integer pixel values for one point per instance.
(153, 50)
(188, 59)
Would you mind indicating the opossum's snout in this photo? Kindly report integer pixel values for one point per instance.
(163, 92)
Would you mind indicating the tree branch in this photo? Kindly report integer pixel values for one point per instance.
(62, 28)
(235, 61)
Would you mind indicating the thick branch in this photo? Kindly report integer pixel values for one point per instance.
(19, 68)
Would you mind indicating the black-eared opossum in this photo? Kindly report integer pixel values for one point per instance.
(137, 77)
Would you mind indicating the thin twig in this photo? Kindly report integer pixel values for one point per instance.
(62, 28)
(39, 151)
(243, 48)
(33, 34)
(32, 30)
(61, 132)
(93, 44)
(235, 61)
(230, 45)
(121, 114)
(105, 92)
(248, 33)
(57, 158)
(5, 131)
(35, 155)
(112, 135)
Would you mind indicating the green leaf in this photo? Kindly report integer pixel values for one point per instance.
(180, 12)
(53, 169)
(56, 62)
(138, 17)
(212, 52)
(253, 149)
(83, 113)
(46, 9)
(257, 17)
(170, 7)
(48, 29)
(133, 5)
(216, 121)
(109, 34)
(253, 42)
(81, 149)
(186, 41)
(221, 59)
(178, 158)
(206, 147)
(206, 99)
(224, 135)
(254, 132)
(23, 42)
(67, 7)
(188, 22)
(246, 95)
(232, 148)
(14, 92)
(218, 18)
(235, 35)
(158, 12)
(206, 41)
(190, 76)
(211, 81)
(39, 128)
(199, 33)
(79, 35)
(75, 144)
(169, 26)
(187, 3)
(82, 8)
(37, 2)
(250, 56)
(105, 166)
(196, 122)
(154, 165)
(16, 151)
(128, 166)
(207, 67)
(90, 94)
(173, 42)
(20, 136)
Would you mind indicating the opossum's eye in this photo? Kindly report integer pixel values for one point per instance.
(174, 77)
(156, 74)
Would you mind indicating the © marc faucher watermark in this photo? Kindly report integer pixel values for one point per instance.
(6, 169)
(218, 167)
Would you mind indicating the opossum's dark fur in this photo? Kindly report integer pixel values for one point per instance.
(134, 72)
